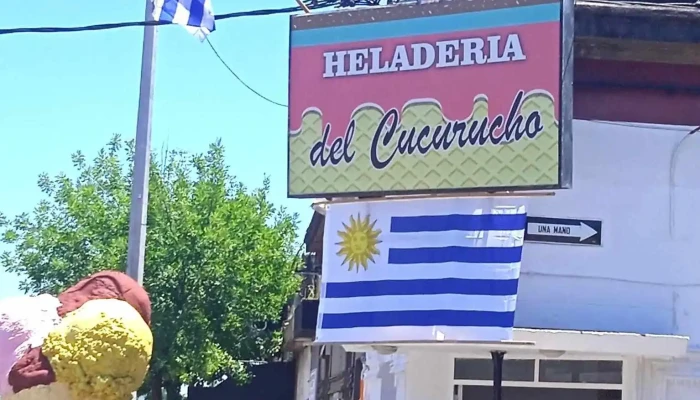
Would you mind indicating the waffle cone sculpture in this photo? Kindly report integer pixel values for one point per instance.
(91, 342)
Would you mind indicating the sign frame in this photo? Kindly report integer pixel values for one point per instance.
(565, 121)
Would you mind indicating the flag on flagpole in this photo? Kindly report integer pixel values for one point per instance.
(420, 270)
(196, 16)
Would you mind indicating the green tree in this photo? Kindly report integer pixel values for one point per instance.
(220, 259)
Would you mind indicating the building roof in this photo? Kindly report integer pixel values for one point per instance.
(552, 341)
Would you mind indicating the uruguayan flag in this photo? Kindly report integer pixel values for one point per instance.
(196, 16)
(420, 270)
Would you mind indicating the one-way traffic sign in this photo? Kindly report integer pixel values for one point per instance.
(564, 231)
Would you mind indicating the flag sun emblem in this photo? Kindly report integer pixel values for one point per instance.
(358, 242)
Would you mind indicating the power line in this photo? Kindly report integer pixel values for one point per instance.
(235, 75)
(118, 25)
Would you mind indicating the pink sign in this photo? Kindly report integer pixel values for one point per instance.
(381, 92)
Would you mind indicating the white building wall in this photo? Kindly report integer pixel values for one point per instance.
(428, 376)
(675, 380)
(303, 372)
(643, 278)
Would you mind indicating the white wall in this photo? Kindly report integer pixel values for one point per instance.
(303, 372)
(429, 376)
(643, 279)
(670, 380)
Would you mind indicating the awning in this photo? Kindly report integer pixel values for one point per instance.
(636, 344)
(555, 341)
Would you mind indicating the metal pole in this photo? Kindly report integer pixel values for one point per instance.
(497, 358)
(142, 155)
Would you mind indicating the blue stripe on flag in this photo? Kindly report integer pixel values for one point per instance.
(458, 222)
(434, 255)
(484, 287)
(169, 10)
(196, 13)
(418, 318)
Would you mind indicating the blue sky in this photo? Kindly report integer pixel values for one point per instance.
(70, 91)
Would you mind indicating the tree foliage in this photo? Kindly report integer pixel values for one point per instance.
(220, 259)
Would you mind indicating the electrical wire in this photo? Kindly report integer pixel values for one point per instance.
(109, 26)
(254, 13)
(640, 125)
(235, 75)
(118, 25)
(672, 182)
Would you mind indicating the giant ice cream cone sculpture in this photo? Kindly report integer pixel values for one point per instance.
(92, 342)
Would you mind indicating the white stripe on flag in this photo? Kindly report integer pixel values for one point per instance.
(426, 271)
(182, 15)
(439, 206)
(453, 238)
(424, 302)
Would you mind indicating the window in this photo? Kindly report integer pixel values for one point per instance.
(539, 393)
(579, 371)
(540, 379)
(481, 369)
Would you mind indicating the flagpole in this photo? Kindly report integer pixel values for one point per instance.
(142, 154)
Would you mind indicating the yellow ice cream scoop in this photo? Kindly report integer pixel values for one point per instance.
(101, 350)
